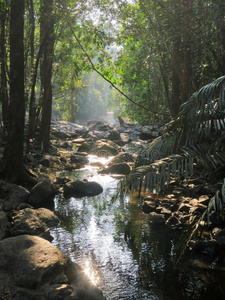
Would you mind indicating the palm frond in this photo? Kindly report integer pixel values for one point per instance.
(195, 134)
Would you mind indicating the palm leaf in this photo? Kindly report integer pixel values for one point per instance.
(197, 133)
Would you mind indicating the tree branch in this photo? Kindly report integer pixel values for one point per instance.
(112, 84)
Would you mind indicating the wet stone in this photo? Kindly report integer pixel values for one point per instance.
(185, 208)
(148, 206)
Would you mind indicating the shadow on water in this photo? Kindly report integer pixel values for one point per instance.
(128, 254)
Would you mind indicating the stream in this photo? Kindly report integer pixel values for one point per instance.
(128, 254)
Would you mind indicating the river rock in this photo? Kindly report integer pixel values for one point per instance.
(184, 207)
(98, 126)
(105, 148)
(61, 135)
(42, 195)
(125, 138)
(45, 162)
(33, 221)
(4, 225)
(120, 168)
(148, 206)
(145, 136)
(112, 135)
(78, 141)
(12, 195)
(79, 158)
(209, 248)
(61, 180)
(97, 164)
(219, 235)
(82, 188)
(86, 147)
(38, 270)
(121, 158)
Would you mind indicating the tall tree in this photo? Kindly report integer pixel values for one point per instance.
(13, 166)
(47, 38)
(3, 82)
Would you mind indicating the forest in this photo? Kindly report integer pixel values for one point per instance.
(112, 149)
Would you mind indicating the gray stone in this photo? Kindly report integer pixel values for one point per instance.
(61, 135)
(45, 162)
(97, 164)
(204, 199)
(148, 206)
(23, 205)
(120, 168)
(145, 136)
(206, 248)
(78, 141)
(112, 135)
(81, 189)
(125, 137)
(61, 180)
(198, 210)
(173, 220)
(79, 159)
(33, 221)
(185, 208)
(105, 148)
(121, 158)
(165, 211)
(85, 147)
(155, 134)
(12, 195)
(42, 195)
(32, 268)
(4, 225)
(63, 160)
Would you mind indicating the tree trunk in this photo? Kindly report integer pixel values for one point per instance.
(175, 103)
(186, 76)
(3, 87)
(32, 109)
(13, 152)
(47, 37)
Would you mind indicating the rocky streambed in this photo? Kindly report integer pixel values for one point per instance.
(128, 243)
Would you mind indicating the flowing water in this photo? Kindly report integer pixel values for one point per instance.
(128, 254)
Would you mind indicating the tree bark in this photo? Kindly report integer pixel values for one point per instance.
(186, 76)
(13, 152)
(47, 37)
(176, 81)
(3, 87)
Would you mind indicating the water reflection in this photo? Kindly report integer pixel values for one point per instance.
(91, 272)
(128, 254)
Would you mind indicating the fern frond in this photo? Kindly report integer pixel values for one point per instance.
(196, 133)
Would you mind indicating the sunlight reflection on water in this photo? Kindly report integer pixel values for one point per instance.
(91, 272)
(120, 249)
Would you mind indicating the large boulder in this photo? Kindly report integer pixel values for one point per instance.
(82, 188)
(31, 268)
(105, 148)
(121, 158)
(42, 195)
(33, 221)
(12, 195)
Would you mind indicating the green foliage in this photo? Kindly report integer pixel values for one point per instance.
(197, 134)
(217, 204)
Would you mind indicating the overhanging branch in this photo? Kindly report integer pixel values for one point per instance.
(112, 84)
